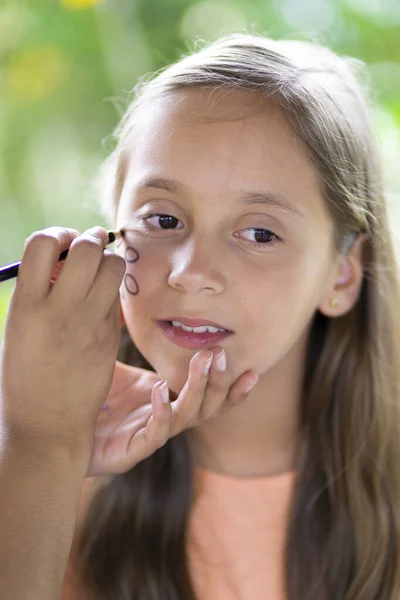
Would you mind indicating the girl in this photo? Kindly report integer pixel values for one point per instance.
(247, 186)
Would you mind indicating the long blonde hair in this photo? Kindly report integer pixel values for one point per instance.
(343, 534)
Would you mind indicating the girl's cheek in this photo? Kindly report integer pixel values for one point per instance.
(139, 264)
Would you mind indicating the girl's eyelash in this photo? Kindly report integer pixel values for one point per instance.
(258, 244)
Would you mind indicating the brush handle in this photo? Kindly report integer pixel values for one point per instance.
(11, 270)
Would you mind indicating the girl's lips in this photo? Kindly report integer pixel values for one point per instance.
(189, 339)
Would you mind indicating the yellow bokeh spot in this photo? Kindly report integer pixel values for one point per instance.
(35, 74)
(80, 4)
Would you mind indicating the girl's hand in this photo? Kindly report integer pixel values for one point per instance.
(61, 341)
(135, 420)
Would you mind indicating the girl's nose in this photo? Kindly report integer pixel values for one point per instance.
(195, 269)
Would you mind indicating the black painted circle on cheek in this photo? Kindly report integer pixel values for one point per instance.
(131, 285)
(131, 254)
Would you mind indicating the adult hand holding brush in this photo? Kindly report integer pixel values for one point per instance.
(61, 340)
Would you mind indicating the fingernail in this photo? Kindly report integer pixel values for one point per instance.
(220, 361)
(207, 364)
(250, 386)
(164, 392)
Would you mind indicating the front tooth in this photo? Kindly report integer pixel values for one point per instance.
(178, 324)
(200, 329)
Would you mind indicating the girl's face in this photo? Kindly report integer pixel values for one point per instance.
(248, 243)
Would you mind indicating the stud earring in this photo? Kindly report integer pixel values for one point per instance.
(334, 303)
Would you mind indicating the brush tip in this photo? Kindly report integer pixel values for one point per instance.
(114, 235)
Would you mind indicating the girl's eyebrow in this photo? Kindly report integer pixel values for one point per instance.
(264, 197)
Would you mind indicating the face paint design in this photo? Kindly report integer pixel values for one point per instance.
(131, 285)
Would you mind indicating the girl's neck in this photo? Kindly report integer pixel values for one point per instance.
(249, 465)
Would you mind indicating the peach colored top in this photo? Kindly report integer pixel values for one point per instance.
(236, 536)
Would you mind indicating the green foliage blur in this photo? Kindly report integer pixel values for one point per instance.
(66, 67)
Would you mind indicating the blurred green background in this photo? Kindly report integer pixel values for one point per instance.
(66, 67)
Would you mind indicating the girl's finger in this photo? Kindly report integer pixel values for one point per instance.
(39, 259)
(218, 387)
(157, 430)
(186, 408)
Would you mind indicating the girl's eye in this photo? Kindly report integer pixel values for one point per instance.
(262, 236)
(164, 220)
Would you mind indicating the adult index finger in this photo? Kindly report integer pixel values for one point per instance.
(41, 252)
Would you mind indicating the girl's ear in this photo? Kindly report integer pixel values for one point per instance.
(345, 289)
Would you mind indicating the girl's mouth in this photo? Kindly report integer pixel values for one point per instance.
(190, 339)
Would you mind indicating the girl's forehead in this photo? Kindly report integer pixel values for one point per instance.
(185, 111)
(235, 126)
(215, 141)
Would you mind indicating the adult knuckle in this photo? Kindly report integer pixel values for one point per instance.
(40, 238)
(87, 245)
(58, 334)
(84, 332)
(98, 232)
